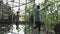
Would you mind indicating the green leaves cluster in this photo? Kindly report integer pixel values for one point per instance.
(53, 14)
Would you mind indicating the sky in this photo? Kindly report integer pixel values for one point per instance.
(21, 8)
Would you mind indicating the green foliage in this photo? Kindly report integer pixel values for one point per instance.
(52, 14)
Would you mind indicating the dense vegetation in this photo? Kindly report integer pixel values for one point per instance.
(49, 10)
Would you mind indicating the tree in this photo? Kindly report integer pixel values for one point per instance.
(5, 13)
